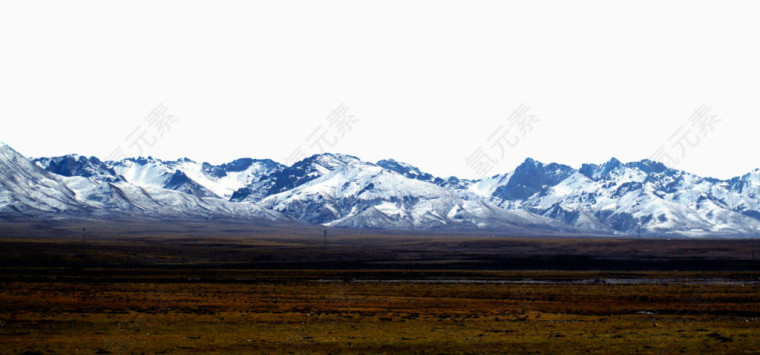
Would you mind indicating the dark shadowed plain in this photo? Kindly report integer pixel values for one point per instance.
(183, 286)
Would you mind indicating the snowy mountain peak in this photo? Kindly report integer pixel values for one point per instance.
(604, 171)
(247, 166)
(409, 171)
(10, 156)
(235, 165)
(650, 166)
(7, 150)
(531, 177)
(400, 167)
(529, 162)
(301, 172)
(76, 165)
(321, 164)
(343, 191)
(26, 188)
(613, 163)
(394, 163)
(331, 161)
(752, 178)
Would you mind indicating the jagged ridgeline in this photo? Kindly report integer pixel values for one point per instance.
(336, 190)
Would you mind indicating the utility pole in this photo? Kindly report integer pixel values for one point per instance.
(83, 231)
(324, 233)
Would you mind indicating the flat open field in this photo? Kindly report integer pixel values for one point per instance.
(162, 288)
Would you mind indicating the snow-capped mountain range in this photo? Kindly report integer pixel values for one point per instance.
(336, 190)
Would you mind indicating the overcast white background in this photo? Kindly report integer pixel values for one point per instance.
(428, 81)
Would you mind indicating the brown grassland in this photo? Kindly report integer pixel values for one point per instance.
(164, 288)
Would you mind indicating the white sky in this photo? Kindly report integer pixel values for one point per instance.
(428, 81)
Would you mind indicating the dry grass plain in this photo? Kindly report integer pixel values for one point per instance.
(180, 289)
(372, 317)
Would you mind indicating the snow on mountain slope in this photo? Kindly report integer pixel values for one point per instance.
(87, 185)
(223, 180)
(486, 187)
(174, 203)
(154, 173)
(531, 177)
(293, 176)
(409, 171)
(155, 201)
(646, 195)
(185, 175)
(198, 179)
(77, 165)
(26, 188)
(358, 194)
(348, 189)
(741, 194)
(344, 191)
